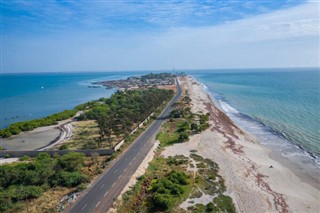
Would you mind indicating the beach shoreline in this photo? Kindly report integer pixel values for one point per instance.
(307, 174)
(256, 178)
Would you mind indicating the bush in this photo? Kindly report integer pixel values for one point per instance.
(204, 126)
(68, 179)
(178, 177)
(209, 207)
(24, 192)
(204, 118)
(175, 114)
(64, 147)
(183, 136)
(5, 133)
(223, 203)
(71, 161)
(81, 187)
(162, 201)
(194, 127)
(166, 186)
(24, 158)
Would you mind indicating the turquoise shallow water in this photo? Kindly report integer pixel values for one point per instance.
(29, 96)
(280, 107)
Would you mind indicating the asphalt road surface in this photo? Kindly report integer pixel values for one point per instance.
(108, 187)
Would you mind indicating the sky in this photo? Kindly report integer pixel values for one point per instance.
(112, 35)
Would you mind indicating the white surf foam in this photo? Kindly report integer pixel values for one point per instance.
(277, 141)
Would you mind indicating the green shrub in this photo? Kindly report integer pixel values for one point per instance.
(162, 202)
(81, 187)
(194, 127)
(25, 158)
(24, 192)
(178, 177)
(69, 179)
(204, 126)
(166, 186)
(223, 203)
(209, 207)
(64, 147)
(71, 161)
(183, 136)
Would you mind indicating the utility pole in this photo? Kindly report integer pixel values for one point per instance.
(27, 203)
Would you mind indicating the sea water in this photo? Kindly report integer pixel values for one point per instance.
(280, 107)
(29, 96)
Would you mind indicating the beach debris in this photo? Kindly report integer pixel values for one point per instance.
(66, 200)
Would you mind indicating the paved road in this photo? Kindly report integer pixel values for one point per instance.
(101, 195)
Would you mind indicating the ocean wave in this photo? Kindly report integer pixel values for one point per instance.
(227, 108)
(268, 136)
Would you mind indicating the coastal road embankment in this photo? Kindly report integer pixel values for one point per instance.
(108, 187)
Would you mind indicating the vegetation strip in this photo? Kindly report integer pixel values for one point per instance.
(169, 182)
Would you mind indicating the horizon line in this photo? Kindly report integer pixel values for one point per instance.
(161, 70)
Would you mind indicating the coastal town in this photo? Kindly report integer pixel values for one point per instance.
(145, 81)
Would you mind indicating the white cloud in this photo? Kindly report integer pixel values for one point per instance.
(284, 38)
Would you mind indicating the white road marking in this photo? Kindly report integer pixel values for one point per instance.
(134, 157)
(84, 206)
(126, 159)
(115, 171)
(106, 194)
(134, 150)
(138, 153)
(130, 163)
(125, 170)
(98, 204)
(113, 184)
(101, 185)
(145, 145)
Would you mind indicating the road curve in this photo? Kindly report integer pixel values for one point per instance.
(108, 187)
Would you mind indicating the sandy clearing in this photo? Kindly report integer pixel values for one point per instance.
(40, 138)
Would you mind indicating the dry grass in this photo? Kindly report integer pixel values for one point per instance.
(48, 201)
(168, 87)
(85, 136)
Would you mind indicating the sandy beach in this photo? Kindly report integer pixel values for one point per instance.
(255, 181)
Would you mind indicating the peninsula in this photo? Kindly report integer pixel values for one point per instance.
(145, 81)
(199, 160)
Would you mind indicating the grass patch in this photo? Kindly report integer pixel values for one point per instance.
(167, 138)
(223, 203)
(196, 193)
